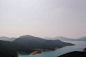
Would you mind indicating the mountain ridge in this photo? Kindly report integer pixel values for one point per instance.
(65, 38)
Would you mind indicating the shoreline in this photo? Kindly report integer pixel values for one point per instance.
(32, 53)
(38, 52)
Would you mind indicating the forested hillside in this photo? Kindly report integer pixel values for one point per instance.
(28, 44)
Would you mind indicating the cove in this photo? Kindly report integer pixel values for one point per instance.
(79, 46)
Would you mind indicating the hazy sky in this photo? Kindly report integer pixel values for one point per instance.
(43, 18)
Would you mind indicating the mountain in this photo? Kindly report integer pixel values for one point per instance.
(7, 38)
(82, 39)
(60, 38)
(10, 49)
(32, 42)
(65, 38)
(36, 42)
(7, 49)
(27, 44)
(4, 38)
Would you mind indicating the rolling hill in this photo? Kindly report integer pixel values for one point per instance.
(28, 44)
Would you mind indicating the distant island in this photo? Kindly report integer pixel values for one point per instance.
(7, 38)
(65, 38)
(29, 45)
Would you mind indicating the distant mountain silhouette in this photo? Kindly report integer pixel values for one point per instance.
(7, 38)
(60, 38)
(63, 38)
(82, 39)
(66, 39)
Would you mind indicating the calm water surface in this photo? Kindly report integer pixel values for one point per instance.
(79, 46)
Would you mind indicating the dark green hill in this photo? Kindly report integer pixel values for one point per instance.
(32, 42)
(10, 49)
(7, 49)
(27, 44)
(57, 43)
(36, 42)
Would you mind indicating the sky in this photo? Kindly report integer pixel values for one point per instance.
(43, 18)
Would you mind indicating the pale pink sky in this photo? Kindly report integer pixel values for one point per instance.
(43, 18)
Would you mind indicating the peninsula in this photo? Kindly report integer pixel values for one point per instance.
(28, 45)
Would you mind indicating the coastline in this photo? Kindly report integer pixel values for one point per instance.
(32, 53)
(41, 50)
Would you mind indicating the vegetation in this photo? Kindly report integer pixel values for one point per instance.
(7, 49)
(36, 42)
(28, 44)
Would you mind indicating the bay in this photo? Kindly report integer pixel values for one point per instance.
(79, 46)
